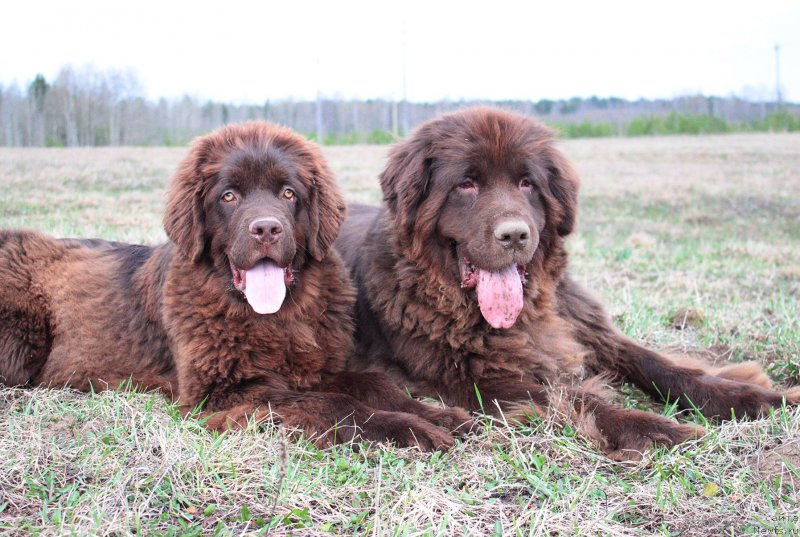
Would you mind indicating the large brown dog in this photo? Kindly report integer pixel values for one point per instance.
(247, 310)
(463, 292)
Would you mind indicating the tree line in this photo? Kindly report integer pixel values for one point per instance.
(91, 107)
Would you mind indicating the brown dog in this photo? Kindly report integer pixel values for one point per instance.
(247, 309)
(463, 292)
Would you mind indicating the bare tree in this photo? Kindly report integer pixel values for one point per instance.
(87, 106)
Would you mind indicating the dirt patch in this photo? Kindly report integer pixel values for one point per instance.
(782, 462)
(713, 356)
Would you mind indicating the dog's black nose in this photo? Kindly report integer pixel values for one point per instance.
(512, 233)
(266, 230)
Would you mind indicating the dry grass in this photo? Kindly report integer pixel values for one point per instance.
(707, 225)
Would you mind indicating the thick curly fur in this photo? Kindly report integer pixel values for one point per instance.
(92, 314)
(445, 190)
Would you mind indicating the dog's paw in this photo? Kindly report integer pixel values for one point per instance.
(639, 432)
(237, 418)
(729, 398)
(793, 396)
(454, 419)
(406, 430)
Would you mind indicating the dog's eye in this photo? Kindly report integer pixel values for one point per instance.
(468, 186)
(289, 194)
(228, 196)
(525, 184)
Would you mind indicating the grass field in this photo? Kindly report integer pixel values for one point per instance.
(692, 242)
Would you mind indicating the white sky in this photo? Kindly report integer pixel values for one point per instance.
(240, 51)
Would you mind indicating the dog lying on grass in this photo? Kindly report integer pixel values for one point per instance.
(247, 310)
(464, 294)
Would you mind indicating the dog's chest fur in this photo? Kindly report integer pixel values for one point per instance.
(437, 332)
(309, 335)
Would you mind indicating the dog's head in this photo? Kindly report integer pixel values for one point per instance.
(484, 196)
(256, 201)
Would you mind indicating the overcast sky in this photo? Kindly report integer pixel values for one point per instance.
(252, 51)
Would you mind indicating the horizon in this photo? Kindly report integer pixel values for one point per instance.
(93, 70)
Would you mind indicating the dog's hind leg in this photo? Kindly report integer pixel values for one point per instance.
(735, 390)
(24, 328)
(24, 347)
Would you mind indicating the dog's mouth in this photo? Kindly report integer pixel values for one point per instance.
(500, 292)
(263, 285)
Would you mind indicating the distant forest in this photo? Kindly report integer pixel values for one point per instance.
(89, 107)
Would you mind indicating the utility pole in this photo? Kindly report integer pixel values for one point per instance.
(395, 132)
(778, 96)
(320, 130)
(405, 89)
(399, 116)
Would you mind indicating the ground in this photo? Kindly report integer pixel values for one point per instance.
(692, 242)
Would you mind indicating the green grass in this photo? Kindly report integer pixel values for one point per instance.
(704, 223)
(679, 123)
(674, 123)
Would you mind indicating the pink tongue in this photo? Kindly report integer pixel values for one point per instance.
(500, 296)
(265, 288)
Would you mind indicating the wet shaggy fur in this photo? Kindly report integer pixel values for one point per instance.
(92, 314)
(486, 189)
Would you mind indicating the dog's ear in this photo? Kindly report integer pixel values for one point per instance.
(327, 209)
(406, 179)
(564, 184)
(184, 220)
